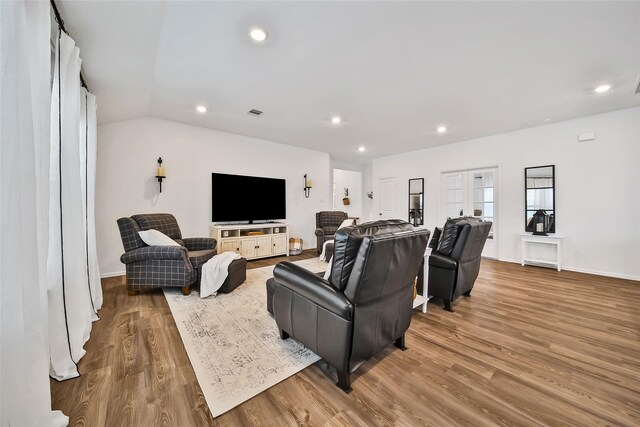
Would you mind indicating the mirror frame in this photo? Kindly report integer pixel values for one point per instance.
(420, 219)
(552, 228)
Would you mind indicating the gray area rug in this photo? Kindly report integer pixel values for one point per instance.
(233, 342)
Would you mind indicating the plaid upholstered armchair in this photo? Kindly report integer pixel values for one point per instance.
(158, 266)
(327, 223)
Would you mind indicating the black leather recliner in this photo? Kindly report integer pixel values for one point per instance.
(454, 263)
(364, 306)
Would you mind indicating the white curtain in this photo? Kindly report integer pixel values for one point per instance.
(24, 193)
(88, 152)
(539, 182)
(70, 305)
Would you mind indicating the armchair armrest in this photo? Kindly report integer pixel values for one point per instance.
(442, 261)
(199, 243)
(314, 288)
(319, 232)
(154, 252)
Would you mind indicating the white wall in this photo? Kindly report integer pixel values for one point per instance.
(127, 154)
(367, 186)
(597, 186)
(353, 181)
(338, 164)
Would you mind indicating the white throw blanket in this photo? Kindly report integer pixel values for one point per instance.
(323, 255)
(214, 273)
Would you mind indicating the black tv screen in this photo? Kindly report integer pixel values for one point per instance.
(247, 198)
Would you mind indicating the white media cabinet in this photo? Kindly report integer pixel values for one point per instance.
(252, 240)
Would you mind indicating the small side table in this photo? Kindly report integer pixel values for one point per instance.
(545, 240)
(423, 277)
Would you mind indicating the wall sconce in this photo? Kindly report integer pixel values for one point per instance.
(160, 172)
(307, 186)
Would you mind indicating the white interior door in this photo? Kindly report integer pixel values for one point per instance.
(473, 193)
(388, 197)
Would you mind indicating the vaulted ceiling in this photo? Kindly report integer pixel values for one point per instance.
(393, 71)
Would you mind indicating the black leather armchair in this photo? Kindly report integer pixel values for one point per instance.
(327, 223)
(157, 266)
(364, 306)
(454, 263)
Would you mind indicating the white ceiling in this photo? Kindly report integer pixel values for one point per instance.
(393, 70)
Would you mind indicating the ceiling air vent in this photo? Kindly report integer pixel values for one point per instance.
(254, 112)
(637, 86)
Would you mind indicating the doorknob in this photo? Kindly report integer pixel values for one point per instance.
(380, 213)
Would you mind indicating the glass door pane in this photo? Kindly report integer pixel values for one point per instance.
(483, 197)
(454, 195)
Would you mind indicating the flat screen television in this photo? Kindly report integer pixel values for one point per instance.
(247, 198)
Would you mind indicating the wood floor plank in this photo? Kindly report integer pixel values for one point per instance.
(530, 346)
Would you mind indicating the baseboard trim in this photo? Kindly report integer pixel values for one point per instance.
(588, 271)
(112, 274)
(603, 273)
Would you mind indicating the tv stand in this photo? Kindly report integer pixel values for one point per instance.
(252, 241)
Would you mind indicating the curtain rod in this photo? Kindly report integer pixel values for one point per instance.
(60, 22)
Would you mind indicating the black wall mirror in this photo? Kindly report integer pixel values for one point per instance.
(416, 201)
(540, 199)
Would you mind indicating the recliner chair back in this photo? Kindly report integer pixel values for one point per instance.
(347, 243)
(130, 226)
(469, 253)
(471, 240)
(330, 218)
(379, 288)
(163, 222)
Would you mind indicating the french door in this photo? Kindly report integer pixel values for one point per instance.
(473, 193)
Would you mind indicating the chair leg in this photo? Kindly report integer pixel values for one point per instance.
(133, 293)
(447, 305)
(186, 290)
(344, 381)
(283, 335)
(400, 343)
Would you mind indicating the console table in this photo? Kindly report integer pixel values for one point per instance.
(553, 240)
(252, 240)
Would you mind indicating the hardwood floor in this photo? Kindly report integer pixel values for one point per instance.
(530, 346)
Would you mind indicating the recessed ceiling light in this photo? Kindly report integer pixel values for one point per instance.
(336, 120)
(361, 149)
(201, 109)
(602, 88)
(258, 34)
(442, 129)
